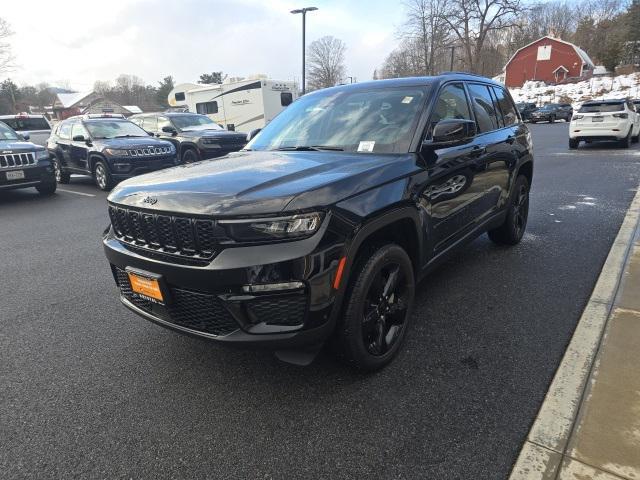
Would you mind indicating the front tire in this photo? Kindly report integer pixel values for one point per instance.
(190, 156)
(102, 176)
(377, 309)
(512, 230)
(46, 189)
(61, 175)
(552, 119)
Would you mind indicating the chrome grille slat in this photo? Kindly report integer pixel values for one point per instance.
(12, 160)
(150, 151)
(173, 235)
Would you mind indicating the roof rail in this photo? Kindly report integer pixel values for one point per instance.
(462, 73)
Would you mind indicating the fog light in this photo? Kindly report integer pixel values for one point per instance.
(121, 166)
(272, 287)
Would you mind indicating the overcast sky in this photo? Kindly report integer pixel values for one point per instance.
(79, 41)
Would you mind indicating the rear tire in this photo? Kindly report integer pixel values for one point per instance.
(46, 189)
(102, 176)
(377, 308)
(626, 141)
(573, 143)
(635, 139)
(512, 230)
(61, 175)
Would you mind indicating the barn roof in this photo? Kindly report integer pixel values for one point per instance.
(70, 99)
(581, 53)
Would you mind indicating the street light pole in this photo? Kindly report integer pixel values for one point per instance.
(303, 11)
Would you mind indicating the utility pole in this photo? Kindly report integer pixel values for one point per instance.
(453, 48)
(303, 11)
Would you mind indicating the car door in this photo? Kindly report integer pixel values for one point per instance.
(79, 151)
(453, 192)
(63, 144)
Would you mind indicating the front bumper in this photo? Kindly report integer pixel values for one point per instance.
(208, 153)
(210, 302)
(34, 175)
(124, 168)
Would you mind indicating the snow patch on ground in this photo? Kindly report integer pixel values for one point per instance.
(597, 88)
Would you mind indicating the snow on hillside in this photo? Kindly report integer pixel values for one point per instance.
(596, 88)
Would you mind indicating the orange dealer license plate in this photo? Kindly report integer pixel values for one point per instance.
(146, 287)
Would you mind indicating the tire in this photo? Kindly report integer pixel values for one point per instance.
(360, 336)
(102, 176)
(46, 189)
(573, 143)
(635, 139)
(190, 155)
(512, 230)
(552, 119)
(626, 141)
(61, 175)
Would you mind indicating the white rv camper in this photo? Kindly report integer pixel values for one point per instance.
(240, 106)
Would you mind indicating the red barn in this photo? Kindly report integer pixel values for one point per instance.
(549, 60)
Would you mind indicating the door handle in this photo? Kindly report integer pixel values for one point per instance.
(477, 151)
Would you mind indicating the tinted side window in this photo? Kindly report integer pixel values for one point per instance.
(451, 103)
(150, 124)
(508, 109)
(286, 98)
(483, 107)
(65, 131)
(207, 107)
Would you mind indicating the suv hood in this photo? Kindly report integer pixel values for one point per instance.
(132, 142)
(251, 183)
(212, 133)
(10, 146)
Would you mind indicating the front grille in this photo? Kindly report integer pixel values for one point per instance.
(172, 235)
(198, 311)
(284, 310)
(17, 160)
(145, 152)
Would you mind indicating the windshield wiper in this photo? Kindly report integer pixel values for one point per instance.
(310, 148)
(126, 136)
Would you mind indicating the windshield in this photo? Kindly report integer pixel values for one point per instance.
(549, 107)
(26, 124)
(602, 107)
(114, 129)
(6, 133)
(379, 120)
(183, 122)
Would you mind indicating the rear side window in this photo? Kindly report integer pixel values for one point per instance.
(26, 124)
(483, 108)
(451, 104)
(508, 109)
(150, 124)
(286, 98)
(65, 131)
(205, 108)
(179, 96)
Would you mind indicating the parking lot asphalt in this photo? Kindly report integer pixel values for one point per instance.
(89, 390)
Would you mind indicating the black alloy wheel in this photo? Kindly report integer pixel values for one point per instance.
(61, 176)
(515, 224)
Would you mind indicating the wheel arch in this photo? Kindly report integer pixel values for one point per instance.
(526, 169)
(95, 158)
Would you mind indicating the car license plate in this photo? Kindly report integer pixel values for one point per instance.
(146, 287)
(15, 175)
(597, 119)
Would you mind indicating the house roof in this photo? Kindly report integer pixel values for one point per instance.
(581, 53)
(132, 108)
(70, 99)
(561, 67)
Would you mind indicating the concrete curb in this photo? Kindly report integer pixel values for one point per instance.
(542, 452)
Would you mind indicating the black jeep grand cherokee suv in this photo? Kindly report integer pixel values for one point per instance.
(321, 227)
(109, 149)
(196, 137)
(24, 164)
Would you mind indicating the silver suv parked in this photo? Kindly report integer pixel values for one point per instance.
(35, 128)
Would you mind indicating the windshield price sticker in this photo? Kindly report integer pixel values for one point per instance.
(366, 146)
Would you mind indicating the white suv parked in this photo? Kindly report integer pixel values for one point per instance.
(605, 120)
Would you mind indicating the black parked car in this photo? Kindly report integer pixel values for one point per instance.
(195, 136)
(24, 164)
(526, 109)
(321, 227)
(552, 112)
(109, 149)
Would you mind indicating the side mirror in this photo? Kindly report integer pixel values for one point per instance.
(151, 134)
(169, 129)
(78, 138)
(252, 134)
(451, 132)
(26, 136)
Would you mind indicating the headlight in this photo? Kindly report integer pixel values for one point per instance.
(277, 228)
(41, 154)
(116, 152)
(209, 141)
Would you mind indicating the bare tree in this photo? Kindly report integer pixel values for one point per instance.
(473, 20)
(325, 62)
(425, 25)
(6, 56)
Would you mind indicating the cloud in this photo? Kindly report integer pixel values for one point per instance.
(87, 40)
